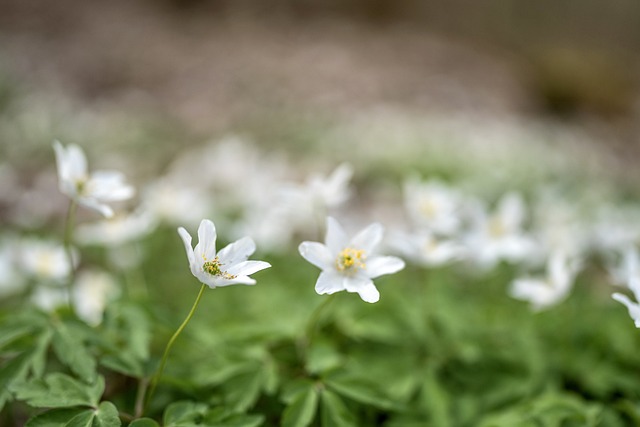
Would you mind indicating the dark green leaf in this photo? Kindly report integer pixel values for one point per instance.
(334, 412)
(107, 416)
(144, 422)
(361, 391)
(180, 413)
(302, 410)
(83, 419)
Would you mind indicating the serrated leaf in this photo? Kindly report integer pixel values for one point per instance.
(58, 390)
(123, 364)
(72, 352)
(302, 410)
(144, 422)
(334, 413)
(179, 413)
(54, 418)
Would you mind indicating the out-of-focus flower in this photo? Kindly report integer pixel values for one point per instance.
(628, 269)
(350, 264)
(117, 230)
(426, 249)
(543, 293)
(174, 203)
(616, 227)
(44, 260)
(50, 298)
(229, 266)
(433, 205)
(91, 191)
(91, 293)
(500, 236)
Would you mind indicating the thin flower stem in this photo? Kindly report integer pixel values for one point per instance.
(68, 241)
(158, 374)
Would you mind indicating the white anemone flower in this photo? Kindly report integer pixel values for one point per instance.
(91, 191)
(44, 260)
(433, 205)
(545, 292)
(632, 307)
(426, 249)
(118, 230)
(91, 294)
(350, 265)
(229, 266)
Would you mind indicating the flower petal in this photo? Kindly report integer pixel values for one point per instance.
(632, 307)
(186, 239)
(91, 203)
(237, 251)
(336, 239)
(240, 280)
(246, 268)
(329, 283)
(363, 287)
(381, 265)
(317, 254)
(368, 238)
(206, 247)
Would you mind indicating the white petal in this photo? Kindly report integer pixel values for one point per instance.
(246, 268)
(336, 239)
(368, 238)
(329, 283)
(90, 203)
(317, 254)
(633, 308)
(364, 287)
(240, 280)
(76, 162)
(382, 265)
(206, 247)
(237, 251)
(186, 239)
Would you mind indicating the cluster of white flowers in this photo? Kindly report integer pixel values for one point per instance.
(260, 196)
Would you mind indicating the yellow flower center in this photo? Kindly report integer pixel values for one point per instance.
(497, 228)
(213, 267)
(351, 260)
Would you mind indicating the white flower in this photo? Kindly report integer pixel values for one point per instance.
(229, 266)
(44, 260)
(633, 307)
(93, 190)
(91, 293)
(500, 236)
(426, 249)
(349, 264)
(174, 202)
(628, 269)
(117, 230)
(433, 205)
(542, 293)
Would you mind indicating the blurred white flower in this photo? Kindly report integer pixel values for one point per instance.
(433, 205)
(350, 264)
(175, 203)
(228, 266)
(49, 298)
(117, 230)
(44, 260)
(500, 236)
(545, 292)
(424, 248)
(627, 269)
(91, 293)
(91, 191)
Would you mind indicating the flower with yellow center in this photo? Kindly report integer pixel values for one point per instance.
(229, 266)
(350, 264)
(89, 190)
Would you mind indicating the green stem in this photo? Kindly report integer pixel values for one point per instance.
(158, 374)
(68, 241)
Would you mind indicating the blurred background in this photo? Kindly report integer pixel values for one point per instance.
(147, 78)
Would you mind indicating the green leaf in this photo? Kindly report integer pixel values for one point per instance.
(59, 390)
(144, 422)
(238, 421)
(10, 333)
(138, 326)
(107, 416)
(334, 412)
(54, 418)
(72, 352)
(361, 391)
(242, 391)
(186, 412)
(302, 410)
(83, 419)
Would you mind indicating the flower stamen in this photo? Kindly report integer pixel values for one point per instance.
(351, 260)
(213, 268)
